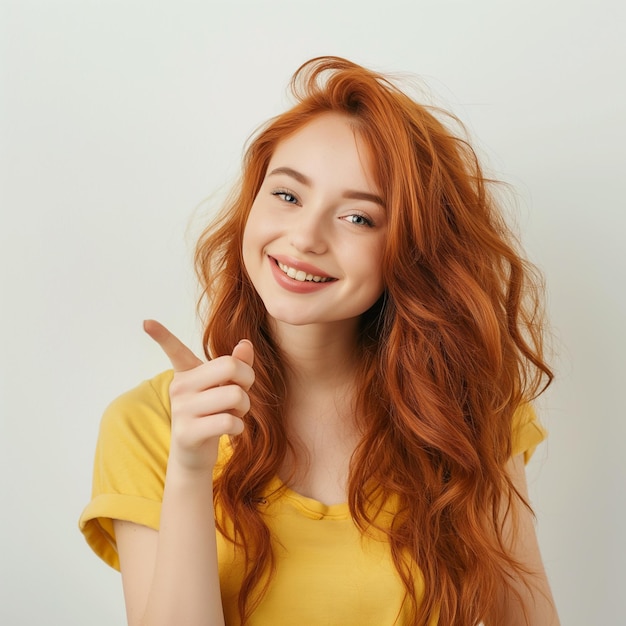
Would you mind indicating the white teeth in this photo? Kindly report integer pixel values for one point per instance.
(301, 275)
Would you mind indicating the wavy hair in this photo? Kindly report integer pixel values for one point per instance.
(449, 352)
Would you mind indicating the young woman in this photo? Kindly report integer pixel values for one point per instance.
(352, 451)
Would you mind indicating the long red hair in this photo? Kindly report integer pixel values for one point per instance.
(449, 352)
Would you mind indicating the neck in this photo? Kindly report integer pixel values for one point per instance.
(319, 416)
(319, 356)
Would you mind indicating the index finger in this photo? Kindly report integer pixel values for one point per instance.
(180, 356)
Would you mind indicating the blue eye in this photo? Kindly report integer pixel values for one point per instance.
(360, 220)
(285, 196)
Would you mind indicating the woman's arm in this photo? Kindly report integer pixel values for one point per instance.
(535, 598)
(171, 576)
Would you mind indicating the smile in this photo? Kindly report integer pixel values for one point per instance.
(301, 275)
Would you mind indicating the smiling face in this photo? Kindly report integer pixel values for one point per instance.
(314, 239)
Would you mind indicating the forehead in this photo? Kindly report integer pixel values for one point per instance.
(329, 143)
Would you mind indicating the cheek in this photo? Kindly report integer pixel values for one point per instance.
(248, 245)
(374, 258)
(245, 240)
(256, 235)
(253, 226)
(262, 228)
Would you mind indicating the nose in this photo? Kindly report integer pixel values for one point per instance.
(308, 233)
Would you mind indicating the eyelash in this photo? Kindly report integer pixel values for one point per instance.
(367, 222)
(283, 194)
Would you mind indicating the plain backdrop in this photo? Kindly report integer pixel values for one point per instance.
(122, 124)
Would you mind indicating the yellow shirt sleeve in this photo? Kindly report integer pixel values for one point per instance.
(527, 432)
(130, 464)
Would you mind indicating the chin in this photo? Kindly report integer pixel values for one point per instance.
(292, 318)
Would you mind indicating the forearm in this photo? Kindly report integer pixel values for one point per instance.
(526, 605)
(527, 600)
(171, 576)
(185, 588)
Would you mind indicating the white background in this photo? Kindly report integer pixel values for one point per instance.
(119, 118)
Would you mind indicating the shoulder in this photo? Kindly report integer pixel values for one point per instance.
(150, 396)
(527, 431)
(135, 430)
(145, 406)
(130, 464)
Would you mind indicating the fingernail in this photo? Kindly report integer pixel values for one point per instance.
(245, 341)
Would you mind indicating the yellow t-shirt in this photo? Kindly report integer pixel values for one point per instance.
(327, 572)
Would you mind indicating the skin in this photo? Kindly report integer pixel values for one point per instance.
(171, 576)
(318, 205)
(315, 218)
(536, 597)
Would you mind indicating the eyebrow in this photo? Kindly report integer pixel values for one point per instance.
(350, 194)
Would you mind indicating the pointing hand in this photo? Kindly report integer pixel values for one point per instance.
(208, 399)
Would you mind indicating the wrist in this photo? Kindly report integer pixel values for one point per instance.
(190, 476)
(195, 460)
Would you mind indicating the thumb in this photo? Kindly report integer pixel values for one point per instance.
(244, 351)
(180, 356)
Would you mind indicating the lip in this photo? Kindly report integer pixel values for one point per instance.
(300, 265)
(293, 285)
